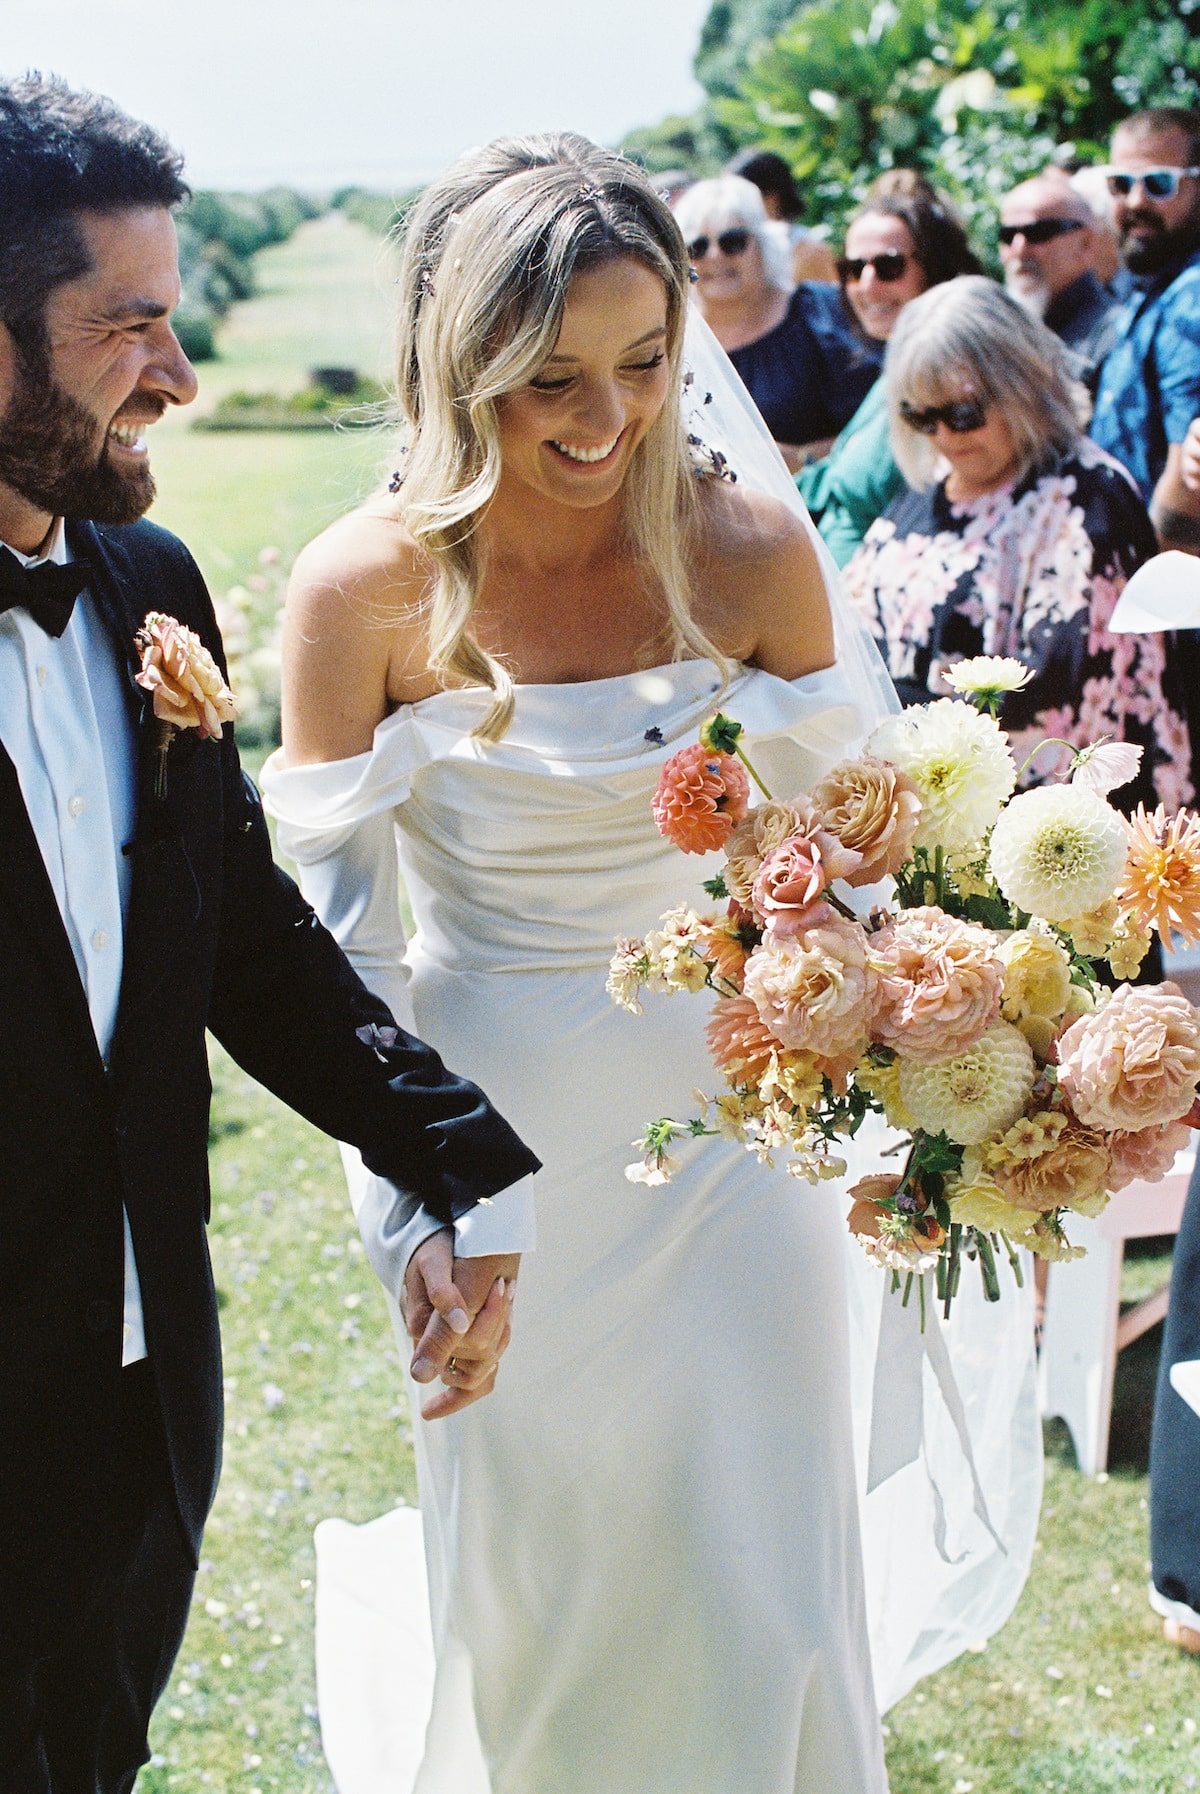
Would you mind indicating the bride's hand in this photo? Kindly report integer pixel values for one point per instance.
(457, 1313)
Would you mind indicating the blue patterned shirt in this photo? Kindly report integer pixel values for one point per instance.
(1149, 388)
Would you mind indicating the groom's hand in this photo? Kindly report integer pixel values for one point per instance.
(457, 1313)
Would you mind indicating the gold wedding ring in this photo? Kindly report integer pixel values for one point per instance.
(452, 1362)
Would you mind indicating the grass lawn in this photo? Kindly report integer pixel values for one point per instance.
(1077, 1693)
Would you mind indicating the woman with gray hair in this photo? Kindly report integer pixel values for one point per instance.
(796, 349)
(1016, 538)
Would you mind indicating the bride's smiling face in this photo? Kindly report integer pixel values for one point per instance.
(569, 434)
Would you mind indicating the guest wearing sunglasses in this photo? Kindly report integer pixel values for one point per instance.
(795, 348)
(896, 247)
(1048, 251)
(1016, 538)
(1149, 389)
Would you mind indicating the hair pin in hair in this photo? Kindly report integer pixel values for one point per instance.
(397, 479)
(426, 283)
(587, 191)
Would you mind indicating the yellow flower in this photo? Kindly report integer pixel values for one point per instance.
(1093, 934)
(1037, 975)
(883, 1083)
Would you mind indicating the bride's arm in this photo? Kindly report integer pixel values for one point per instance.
(348, 631)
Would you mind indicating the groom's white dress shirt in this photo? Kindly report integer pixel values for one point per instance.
(65, 725)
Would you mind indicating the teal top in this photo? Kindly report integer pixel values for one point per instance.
(856, 481)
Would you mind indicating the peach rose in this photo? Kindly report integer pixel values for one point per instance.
(700, 797)
(1145, 1156)
(940, 984)
(1135, 1063)
(183, 677)
(874, 808)
(816, 993)
(1071, 1171)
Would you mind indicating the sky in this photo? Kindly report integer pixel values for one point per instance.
(382, 93)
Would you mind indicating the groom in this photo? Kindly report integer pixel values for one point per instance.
(138, 905)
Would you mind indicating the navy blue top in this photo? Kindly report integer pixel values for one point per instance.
(809, 375)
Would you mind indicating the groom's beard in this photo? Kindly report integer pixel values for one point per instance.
(48, 454)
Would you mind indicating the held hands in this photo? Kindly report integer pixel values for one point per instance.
(458, 1315)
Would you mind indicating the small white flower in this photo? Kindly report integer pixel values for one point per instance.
(1106, 765)
(1059, 851)
(977, 1093)
(959, 760)
(987, 675)
(652, 1171)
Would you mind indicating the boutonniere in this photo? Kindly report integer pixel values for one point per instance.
(185, 683)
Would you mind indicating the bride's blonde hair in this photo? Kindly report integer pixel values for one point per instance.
(489, 252)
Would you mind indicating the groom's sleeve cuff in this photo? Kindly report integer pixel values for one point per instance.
(504, 1223)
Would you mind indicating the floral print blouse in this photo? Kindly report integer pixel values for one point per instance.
(1032, 570)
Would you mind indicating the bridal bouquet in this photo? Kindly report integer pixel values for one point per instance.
(968, 1012)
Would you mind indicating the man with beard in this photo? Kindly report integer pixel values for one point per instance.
(138, 905)
(1149, 389)
(1047, 248)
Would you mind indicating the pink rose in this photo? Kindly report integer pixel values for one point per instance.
(872, 807)
(816, 993)
(940, 984)
(1145, 1156)
(1135, 1063)
(791, 879)
(183, 677)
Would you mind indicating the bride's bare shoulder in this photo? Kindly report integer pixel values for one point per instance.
(354, 635)
(759, 572)
(364, 561)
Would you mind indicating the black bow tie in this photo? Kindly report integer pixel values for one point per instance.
(47, 591)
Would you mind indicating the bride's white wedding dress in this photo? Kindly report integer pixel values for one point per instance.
(643, 1548)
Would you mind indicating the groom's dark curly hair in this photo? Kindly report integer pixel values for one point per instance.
(63, 152)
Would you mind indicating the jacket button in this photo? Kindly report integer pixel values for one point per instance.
(99, 1315)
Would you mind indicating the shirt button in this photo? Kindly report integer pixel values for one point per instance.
(99, 940)
(75, 807)
(41, 675)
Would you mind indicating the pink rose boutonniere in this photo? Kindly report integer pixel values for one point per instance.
(185, 683)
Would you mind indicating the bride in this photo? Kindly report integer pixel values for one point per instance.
(643, 1547)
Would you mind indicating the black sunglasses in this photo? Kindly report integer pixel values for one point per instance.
(1156, 183)
(888, 266)
(729, 242)
(960, 418)
(1042, 230)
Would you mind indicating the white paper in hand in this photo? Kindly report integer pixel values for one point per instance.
(1185, 1379)
(1163, 594)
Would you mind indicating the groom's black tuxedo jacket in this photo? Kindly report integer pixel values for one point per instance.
(216, 936)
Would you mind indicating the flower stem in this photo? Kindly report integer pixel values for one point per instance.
(921, 1289)
(908, 1283)
(747, 763)
(1014, 1261)
(987, 1267)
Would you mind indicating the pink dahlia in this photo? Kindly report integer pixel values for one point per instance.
(816, 992)
(1135, 1063)
(1145, 1156)
(740, 1042)
(940, 984)
(700, 797)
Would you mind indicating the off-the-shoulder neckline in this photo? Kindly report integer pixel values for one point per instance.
(665, 667)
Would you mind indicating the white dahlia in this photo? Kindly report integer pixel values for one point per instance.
(977, 1093)
(959, 760)
(1059, 851)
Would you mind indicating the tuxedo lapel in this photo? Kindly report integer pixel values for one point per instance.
(32, 913)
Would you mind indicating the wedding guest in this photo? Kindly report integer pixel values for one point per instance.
(895, 248)
(139, 905)
(796, 349)
(1048, 246)
(1016, 537)
(1149, 388)
(811, 259)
